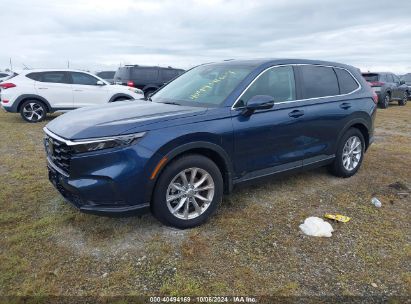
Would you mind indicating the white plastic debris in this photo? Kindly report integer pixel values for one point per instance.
(376, 202)
(316, 226)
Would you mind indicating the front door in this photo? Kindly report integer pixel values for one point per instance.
(86, 91)
(271, 140)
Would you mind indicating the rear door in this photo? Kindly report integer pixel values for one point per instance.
(86, 91)
(327, 109)
(54, 86)
(398, 90)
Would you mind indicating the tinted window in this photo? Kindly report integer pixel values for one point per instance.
(346, 81)
(52, 77)
(390, 78)
(144, 74)
(122, 74)
(276, 82)
(82, 78)
(319, 81)
(3, 75)
(106, 75)
(33, 76)
(167, 75)
(396, 79)
(370, 77)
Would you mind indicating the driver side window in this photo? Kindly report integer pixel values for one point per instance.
(277, 82)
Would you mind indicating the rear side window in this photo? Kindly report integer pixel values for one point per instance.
(51, 77)
(346, 81)
(319, 81)
(3, 75)
(390, 78)
(144, 74)
(83, 79)
(33, 76)
(122, 74)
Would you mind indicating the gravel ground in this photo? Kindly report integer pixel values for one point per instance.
(252, 246)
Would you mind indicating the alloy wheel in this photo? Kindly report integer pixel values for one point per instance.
(352, 153)
(190, 193)
(33, 111)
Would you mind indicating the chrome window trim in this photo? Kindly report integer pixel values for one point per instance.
(88, 141)
(304, 99)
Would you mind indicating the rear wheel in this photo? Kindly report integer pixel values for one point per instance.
(385, 101)
(349, 154)
(188, 191)
(404, 99)
(121, 99)
(33, 111)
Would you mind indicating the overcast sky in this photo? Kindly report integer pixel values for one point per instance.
(100, 34)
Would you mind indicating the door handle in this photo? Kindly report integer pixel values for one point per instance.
(77, 90)
(296, 113)
(42, 88)
(345, 105)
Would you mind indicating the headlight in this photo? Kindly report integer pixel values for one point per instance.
(137, 91)
(88, 145)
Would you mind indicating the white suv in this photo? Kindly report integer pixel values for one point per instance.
(34, 93)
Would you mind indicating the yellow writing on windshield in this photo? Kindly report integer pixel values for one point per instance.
(207, 87)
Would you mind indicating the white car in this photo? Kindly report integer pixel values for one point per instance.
(34, 93)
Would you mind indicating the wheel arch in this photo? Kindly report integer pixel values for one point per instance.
(207, 149)
(362, 125)
(19, 101)
(119, 95)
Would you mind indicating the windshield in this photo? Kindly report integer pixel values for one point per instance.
(207, 85)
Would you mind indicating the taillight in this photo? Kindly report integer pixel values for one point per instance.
(7, 85)
(376, 83)
(375, 98)
(130, 83)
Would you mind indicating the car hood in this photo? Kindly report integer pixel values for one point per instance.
(117, 118)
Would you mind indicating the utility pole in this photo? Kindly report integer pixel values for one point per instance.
(68, 64)
(11, 65)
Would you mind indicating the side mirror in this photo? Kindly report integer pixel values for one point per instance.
(100, 83)
(258, 102)
(402, 82)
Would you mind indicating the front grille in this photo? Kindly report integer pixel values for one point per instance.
(58, 152)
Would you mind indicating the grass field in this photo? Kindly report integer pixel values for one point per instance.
(252, 246)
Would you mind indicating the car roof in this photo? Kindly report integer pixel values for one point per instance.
(281, 61)
(148, 66)
(25, 72)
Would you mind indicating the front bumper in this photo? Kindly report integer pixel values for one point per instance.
(75, 195)
(107, 182)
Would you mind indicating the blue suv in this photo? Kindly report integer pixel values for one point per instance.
(212, 128)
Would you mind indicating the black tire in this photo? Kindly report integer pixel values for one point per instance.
(148, 93)
(385, 101)
(159, 205)
(337, 168)
(33, 111)
(404, 99)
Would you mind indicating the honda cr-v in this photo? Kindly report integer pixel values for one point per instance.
(212, 128)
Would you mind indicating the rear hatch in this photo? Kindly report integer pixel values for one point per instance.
(373, 80)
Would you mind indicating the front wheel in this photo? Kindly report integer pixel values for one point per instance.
(349, 154)
(188, 191)
(404, 99)
(33, 111)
